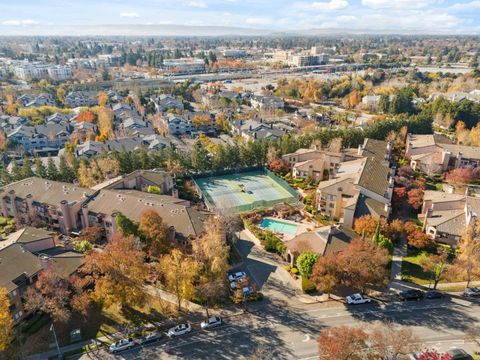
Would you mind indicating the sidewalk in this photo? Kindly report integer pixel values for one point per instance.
(399, 252)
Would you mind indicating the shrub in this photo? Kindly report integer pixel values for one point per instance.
(82, 246)
(288, 268)
(308, 286)
(305, 262)
(294, 271)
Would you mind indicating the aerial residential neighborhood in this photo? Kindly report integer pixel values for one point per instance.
(240, 180)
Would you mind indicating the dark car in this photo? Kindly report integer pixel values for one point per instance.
(459, 354)
(150, 338)
(412, 294)
(434, 294)
(472, 292)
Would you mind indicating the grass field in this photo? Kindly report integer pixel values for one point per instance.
(245, 191)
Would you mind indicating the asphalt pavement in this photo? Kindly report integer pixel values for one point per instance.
(284, 328)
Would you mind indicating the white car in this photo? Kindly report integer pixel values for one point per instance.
(211, 322)
(121, 345)
(178, 330)
(233, 285)
(356, 299)
(237, 276)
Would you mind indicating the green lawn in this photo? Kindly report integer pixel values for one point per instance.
(411, 269)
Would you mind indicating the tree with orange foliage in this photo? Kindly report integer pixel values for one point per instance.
(102, 98)
(105, 124)
(436, 265)
(416, 237)
(119, 271)
(12, 105)
(156, 232)
(415, 198)
(342, 343)
(6, 320)
(87, 116)
(366, 225)
(354, 98)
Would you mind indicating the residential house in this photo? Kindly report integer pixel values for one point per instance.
(81, 98)
(435, 154)
(44, 99)
(252, 129)
(446, 215)
(165, 102)
(267, 102)
(323, 241)
(44, 138)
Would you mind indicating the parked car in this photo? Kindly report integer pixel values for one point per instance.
(434, 294)
(211, 322)
(178, 330)
(459, 354)
(356, 299)
(150, 338)
(121, 345)
(237, 276)
(471, 292)
(412, 294)
(247, 290)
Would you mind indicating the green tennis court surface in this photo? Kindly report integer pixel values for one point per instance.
(245, 191)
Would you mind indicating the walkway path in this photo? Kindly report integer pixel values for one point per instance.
(399, 251)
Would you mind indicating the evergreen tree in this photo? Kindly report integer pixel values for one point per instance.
(40, 168)
(65, 172)
(384, 104)
(16, 171)
(52, 171)
(27, 168)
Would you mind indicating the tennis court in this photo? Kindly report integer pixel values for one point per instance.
(245, 191)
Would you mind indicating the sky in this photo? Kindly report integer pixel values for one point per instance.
(396, 16)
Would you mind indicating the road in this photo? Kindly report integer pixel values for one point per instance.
(285, 328)
(290, 333)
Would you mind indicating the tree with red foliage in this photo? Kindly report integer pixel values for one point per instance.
(279, 166)
(361, 264)
(462, 176)
(57, 295)
(342, 343)
(415, 198)
(433, 355)
(399, 197)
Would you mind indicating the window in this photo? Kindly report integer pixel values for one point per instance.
(331, 205)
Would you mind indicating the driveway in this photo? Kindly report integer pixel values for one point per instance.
(266, 270)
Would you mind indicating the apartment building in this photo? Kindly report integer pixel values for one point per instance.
(359, 187)
(24, 255)
(69, 208)
(184, 66)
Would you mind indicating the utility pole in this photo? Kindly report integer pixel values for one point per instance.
(52, 329)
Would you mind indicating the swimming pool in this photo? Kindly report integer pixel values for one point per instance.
(279, 226)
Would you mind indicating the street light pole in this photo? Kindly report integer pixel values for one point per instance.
(52, 329)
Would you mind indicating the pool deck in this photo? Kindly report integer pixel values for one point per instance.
(303, 226)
